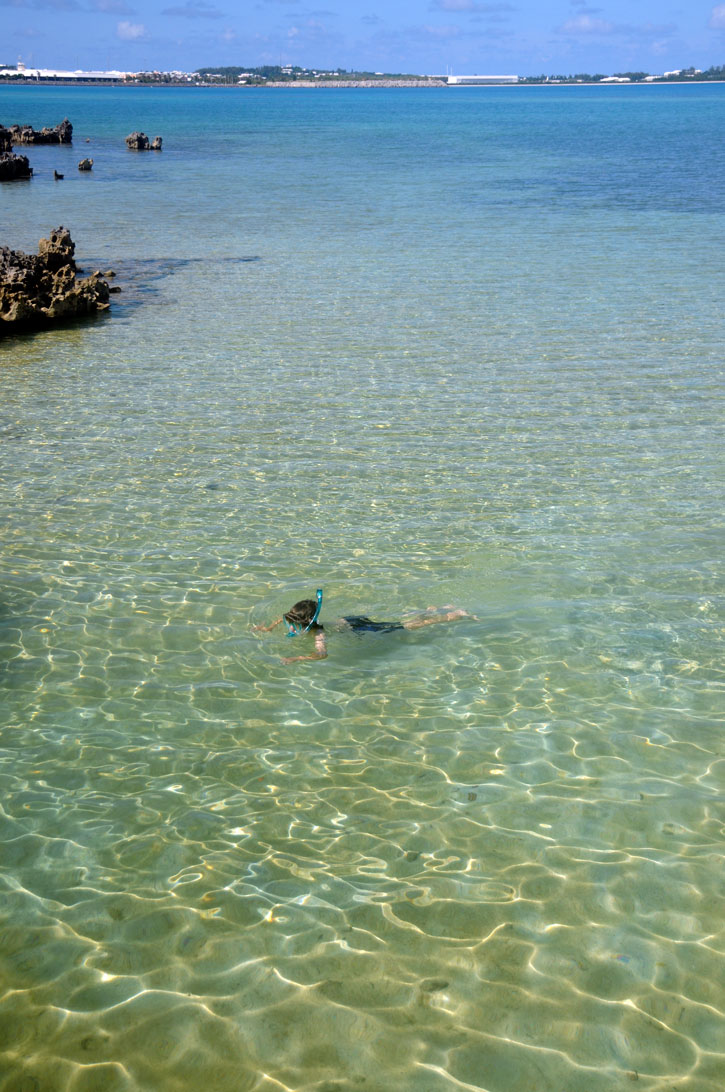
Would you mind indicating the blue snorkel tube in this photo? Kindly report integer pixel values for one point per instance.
(293, 631)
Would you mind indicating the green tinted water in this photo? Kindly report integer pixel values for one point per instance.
(416, 349)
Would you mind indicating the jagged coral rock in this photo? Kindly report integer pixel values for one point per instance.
(138, 142)
(38, 290)
(56, 134)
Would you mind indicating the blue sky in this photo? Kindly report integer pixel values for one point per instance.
(427, 36)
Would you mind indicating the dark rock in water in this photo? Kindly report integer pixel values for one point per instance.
(14, 166)
(58, 134)
(11, 166)
(57, 176)
(39, 290)
(138, 142)
(85, 165)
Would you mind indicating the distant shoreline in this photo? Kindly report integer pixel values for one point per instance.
(308, 85)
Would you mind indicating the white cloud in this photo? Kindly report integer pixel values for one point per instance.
(584, 25)
(717, 18)
(130, 32)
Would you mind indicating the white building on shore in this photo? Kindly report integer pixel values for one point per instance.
(50, 75)
(476, 81)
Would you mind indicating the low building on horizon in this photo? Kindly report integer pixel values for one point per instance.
(45, 75)
(473, 81)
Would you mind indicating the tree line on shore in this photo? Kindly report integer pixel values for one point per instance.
(291, 73)
(683, 75)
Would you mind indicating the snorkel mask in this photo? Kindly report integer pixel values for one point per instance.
(293, 631)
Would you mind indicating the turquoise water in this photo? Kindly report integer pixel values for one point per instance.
(417, 348)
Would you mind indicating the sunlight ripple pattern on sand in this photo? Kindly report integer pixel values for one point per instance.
(482, 856)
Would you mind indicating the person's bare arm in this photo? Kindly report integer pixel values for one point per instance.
(320, 652)
(266, 629)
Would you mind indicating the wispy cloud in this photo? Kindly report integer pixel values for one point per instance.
(112, 7)
(584, 8)
(42, 5)
(426, 32)
(584, 26)
(470, 7)
(108, 7)
(194, 10)
(313, 32)
(717, 18)
(130, 32)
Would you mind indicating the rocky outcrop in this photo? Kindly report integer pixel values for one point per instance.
(58, 134)
(139, 142)
(11, 166)
(85, 165)
(37, 291)
(14, 166)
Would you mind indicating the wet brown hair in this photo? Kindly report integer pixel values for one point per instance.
(301, 614)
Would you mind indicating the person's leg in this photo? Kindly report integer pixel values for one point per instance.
(429, 619)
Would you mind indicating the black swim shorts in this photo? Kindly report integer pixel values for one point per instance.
(360, 624)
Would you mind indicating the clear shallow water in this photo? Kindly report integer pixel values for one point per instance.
(417, 348)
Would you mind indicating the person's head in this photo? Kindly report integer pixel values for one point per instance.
(301, 615)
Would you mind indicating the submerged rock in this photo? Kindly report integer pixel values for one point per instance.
(39, 290)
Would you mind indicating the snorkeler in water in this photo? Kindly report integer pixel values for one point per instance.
(303, 618)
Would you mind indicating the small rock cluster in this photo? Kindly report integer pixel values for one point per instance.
(13, 166)
(139, 142)
(37, 291)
